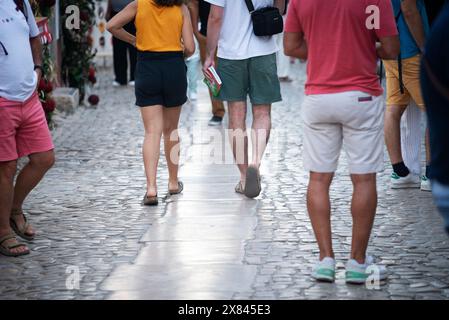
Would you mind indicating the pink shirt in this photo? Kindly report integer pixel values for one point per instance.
(341, 48)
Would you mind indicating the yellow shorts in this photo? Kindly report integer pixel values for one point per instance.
(411, 79)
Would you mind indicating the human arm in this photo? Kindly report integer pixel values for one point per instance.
(388, 48)
(295, 45)
(36, 50)
(193, 6)
(294, 39)
(414, 21)
(187, 33)
(115, 25)
(280, 4)
(213, 33)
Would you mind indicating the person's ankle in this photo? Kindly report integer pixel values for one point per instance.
(327, 255)
(360, 258)
(151, 191)
(173, 183)
(5, 231)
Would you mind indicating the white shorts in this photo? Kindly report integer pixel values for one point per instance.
(353, 120)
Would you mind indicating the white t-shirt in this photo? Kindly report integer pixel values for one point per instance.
(237, 39)
(17, 77)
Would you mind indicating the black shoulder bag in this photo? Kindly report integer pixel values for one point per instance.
(266, 21)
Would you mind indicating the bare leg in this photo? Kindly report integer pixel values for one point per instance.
(7, 172)
(363, 209)
(261, 129)
(28, 179)
(393, 116)
(238, 137)
(153, 122)
(319, 208)
(171, 144)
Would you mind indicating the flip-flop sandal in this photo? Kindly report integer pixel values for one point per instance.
(6, 250)
(21, 232)
(150, 201)
(177, 191)
(239, 188)
(252, 186)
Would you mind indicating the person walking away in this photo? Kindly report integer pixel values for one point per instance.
(283, 62)
(199, 11)
(435, 89)
(23, 127)
(193, 74)
(164, 37)
(403, 86)
(411, 121)
(247, 66)
(122, 51)
(343, 106)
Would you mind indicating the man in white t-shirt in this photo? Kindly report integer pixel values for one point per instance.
(23, 126)
(247, 66)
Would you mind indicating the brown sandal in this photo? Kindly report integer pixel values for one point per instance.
(252, 186)
(21, 232)
(6, 249)
(150, 201)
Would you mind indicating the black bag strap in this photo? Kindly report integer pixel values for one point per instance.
(20, 6)
(250, 6)
(4, 49)
(401, 81)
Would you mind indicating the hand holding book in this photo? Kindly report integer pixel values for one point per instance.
(212, 80)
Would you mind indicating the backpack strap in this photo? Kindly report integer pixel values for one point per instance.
(401, 80)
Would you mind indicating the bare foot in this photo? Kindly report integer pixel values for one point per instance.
(151, 192)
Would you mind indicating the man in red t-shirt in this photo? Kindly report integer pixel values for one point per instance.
(343, 106)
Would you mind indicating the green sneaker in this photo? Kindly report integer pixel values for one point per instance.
(409, 181)
(357, 273)
(324, 270)
(425, 184)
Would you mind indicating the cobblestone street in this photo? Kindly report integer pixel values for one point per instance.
(208, 243)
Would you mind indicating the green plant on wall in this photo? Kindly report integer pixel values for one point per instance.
(43, 8)
(77, 52)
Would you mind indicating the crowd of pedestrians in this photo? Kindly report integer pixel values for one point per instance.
(344, 108)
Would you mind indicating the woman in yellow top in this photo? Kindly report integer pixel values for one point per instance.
(163, 38)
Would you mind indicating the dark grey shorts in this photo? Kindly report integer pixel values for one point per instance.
(256, 77)
(160, 79)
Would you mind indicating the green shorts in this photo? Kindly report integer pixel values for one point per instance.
(254, 76)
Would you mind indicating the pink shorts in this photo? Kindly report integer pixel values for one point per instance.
(23, 129)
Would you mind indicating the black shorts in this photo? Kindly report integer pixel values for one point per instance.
(160, 79)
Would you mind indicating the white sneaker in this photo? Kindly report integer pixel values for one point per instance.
(324, 270)
(425, 184)
(357, 273)
(409, 181)
(132, 83)
(115, 84)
